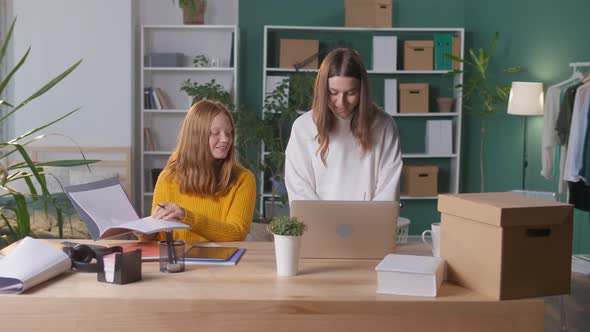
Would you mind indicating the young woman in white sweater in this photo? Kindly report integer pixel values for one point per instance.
(345, 148)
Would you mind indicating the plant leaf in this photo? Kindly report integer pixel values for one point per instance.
(56, 163)
(6, 40)
(44, 89)
(11, 73)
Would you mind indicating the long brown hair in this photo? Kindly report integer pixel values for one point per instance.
(344, 62)
(192, 162)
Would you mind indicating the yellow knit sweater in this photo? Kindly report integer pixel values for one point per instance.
(221, 218)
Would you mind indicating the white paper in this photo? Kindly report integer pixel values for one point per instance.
(390, 96)
(31, 263)
(110, 208)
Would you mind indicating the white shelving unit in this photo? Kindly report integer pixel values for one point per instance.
(454, 159)
(212, 41)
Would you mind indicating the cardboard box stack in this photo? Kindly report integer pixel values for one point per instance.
(506, 245)
(368, 13)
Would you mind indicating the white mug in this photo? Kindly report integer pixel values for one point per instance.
(435, 236)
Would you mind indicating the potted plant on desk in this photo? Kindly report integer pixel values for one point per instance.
(287, 232)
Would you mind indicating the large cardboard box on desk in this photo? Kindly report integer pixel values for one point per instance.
(368, 13)
(297, 51)
(506, 245)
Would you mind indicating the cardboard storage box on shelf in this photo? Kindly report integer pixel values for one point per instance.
(368, 13)
(410, 275)
(297, 51)
(418, 54)
(413, 97)
(506, 245)
(419, 180)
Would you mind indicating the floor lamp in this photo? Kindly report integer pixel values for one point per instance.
(526, 99)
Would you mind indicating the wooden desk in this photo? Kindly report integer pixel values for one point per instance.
(327, 295)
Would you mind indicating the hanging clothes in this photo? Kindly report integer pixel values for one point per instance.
(564, 119)
(577, 136)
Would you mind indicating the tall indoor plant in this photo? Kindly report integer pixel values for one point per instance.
(481, 96)
(15, 222)
(290, 98)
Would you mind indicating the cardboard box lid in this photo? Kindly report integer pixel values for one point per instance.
(420, 169)
(413, 86)
(419, 43)
(505, 209)
(409, 264)
(368, 2)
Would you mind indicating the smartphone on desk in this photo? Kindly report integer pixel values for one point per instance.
(217, 254)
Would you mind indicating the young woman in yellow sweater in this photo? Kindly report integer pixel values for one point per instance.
(202, 184)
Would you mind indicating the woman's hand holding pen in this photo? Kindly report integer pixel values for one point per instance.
(168, 211)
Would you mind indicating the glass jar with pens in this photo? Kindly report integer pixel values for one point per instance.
(171, 254)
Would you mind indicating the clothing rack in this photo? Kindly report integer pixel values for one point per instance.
(575, 65)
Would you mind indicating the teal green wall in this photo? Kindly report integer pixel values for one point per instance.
(543, 38)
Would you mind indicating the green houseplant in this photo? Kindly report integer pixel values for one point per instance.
(209, 90)
(15, 221)
(193, 11)
(287, 232)
(290, 98)
(481, 96)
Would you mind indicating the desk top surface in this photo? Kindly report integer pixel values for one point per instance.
(253, 278)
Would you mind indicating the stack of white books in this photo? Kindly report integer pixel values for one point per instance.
(410, 275)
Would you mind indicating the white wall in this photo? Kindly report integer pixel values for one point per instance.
(60, 32)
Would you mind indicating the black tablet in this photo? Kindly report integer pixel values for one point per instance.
(210, 253)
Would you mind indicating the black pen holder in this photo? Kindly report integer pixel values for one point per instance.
(120, 268)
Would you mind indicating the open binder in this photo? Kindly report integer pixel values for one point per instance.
(105, 209)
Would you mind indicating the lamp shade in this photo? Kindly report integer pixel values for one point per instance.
(526, 98)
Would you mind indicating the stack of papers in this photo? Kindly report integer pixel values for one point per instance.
(150, 251)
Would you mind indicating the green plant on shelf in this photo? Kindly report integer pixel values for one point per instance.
(209, 90)
(200, 61)
(482, 97)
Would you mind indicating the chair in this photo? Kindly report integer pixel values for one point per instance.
(553, 197)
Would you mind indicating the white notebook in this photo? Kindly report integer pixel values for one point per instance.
(106, 211)
(30, 263)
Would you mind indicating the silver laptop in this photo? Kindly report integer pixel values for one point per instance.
(347, 229)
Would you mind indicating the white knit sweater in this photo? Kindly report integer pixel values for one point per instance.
(348, 175)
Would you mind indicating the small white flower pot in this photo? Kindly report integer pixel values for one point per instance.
(287, 254)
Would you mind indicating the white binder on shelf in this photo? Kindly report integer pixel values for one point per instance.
(384, 53)
(439, 137)
(390, 96)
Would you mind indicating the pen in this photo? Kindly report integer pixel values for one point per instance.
(171, 253)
